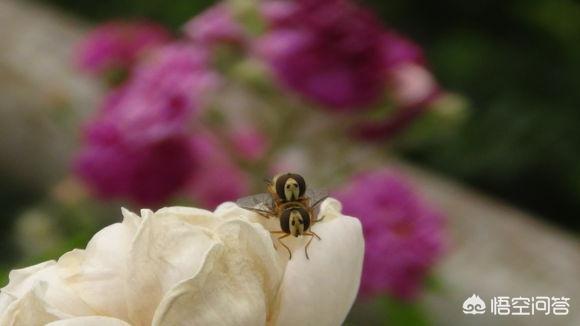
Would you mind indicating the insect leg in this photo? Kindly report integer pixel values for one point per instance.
(276, 232)
(260, 212)
(312, 235)
(284, 245)
(308, 244)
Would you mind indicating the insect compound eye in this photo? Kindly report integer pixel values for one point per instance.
(300, 183)
(290, 186)
(295, 226)
(303, 218)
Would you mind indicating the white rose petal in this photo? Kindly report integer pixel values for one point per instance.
(97, 271)
(21, 281)
(89, 321)
(54, 289)
(320, 291)
(32, 309)
(237, 283)
(168, 249)
(187, 266)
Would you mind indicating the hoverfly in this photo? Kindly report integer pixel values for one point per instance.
(287, 187)
(287, 200)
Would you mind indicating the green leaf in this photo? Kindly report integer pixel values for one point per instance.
(402, 313)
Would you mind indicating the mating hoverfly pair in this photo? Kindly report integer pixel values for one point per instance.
(289, 201)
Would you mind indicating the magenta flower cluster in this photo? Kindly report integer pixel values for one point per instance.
(148, 142)
(157, 136)
(327, 50)
(215, 26)
(410, 85)
(118, 45)
(141, 145)
(335, 55)
(403, 233)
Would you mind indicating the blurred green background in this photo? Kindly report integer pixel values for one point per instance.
(516, 61)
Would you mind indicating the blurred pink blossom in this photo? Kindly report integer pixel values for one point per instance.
(163, 95)
(399, 50)
(139, 144)
(329, 51)
(218, 178)
(249, 142)
(177, 76)
(148, 175)
(277, 12)
(410, 82)
(118, 45)
(403, 233)
(395, 123)
(411, 86)
(213, 26)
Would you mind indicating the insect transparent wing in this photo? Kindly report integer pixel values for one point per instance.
(316, 195)
(256, 201)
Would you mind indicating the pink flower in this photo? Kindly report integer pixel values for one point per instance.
(218, 178)
(148, 175)
(395, 123)
(177, 76)
(409, 81)
(163, 95)
(411, 86)
(399, 50)
(249, 143)
(329, 51)
(215, 25)
(139, 145)
(118, 45)
(278, 11)
(403, 233)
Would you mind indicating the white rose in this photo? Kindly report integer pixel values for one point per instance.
(188, 266)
